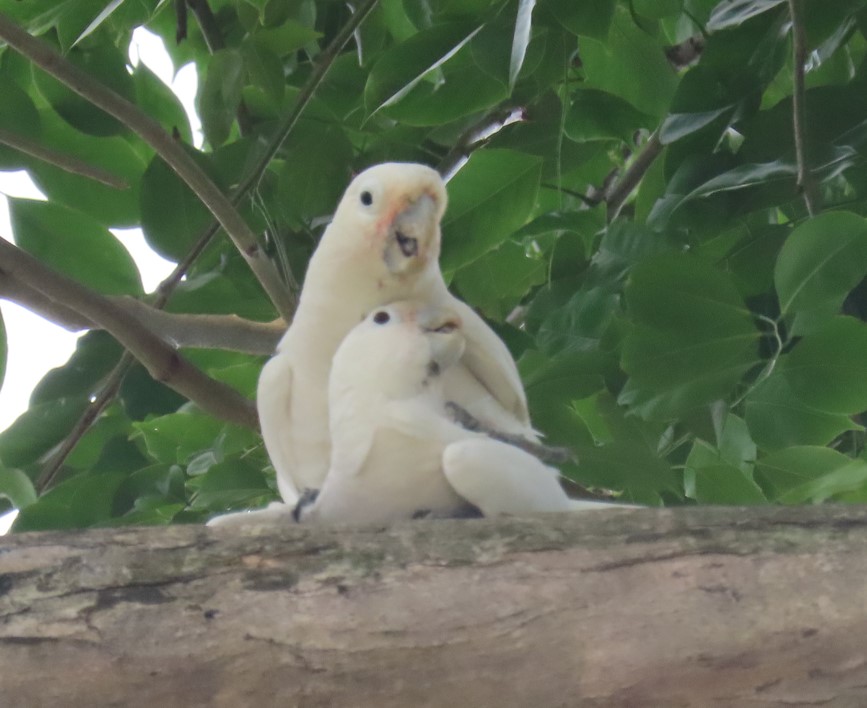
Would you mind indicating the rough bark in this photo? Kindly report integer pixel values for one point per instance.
(689, 607)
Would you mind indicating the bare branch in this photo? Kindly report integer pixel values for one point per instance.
(620, 190)
(163, 362)
(110, 388)
(45, 57)
(476, 136)
(228, 332)
(806, 181)
(19, 292)
(61, 160)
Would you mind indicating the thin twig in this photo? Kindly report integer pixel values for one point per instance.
(64, 161)
(476, 136)
(111, 386)
(162, 361)
(620, 191)
(806, 181)
(320, 69)
(49, 60)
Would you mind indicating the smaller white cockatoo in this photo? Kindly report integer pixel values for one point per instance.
(382, 245)
(396, 453)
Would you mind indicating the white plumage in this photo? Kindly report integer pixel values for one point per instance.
(382, 246)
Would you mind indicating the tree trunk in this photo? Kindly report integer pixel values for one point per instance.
(685, 607)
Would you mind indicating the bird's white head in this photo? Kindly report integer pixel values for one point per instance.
(392, 211)
(399, 349)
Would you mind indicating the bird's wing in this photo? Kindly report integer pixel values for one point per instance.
(273, 401)
(489, 361)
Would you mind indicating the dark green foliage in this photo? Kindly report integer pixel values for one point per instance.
(703, 344)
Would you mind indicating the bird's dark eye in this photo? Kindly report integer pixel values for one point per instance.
(366, 198)
(381, 317)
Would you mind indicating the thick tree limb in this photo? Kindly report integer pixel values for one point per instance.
(162, 361)
(47, 59)
(763, 606)
(228, 332)
(806, 180)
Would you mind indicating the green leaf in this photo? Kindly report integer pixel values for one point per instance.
(810, 474)
(465, 89)
(16, 487)
(821, 261)
(160, 103)
(39, 429)
(79, 502)
(218, 99)
(596, 115)
(172, 216)
(778, 417)
(724, 484)
(693, 336)
(497, 281)
(286, 38)
(231, 485)
(630, 52)
(405, 64)
(828, 369)
(312, 181)
(489, 198)
(521, 38)
(75, 245)
(104, 14)
(177, 437)
(19, 117)
(735, 12)
(119, 156)
(590, 18)
(107, 64)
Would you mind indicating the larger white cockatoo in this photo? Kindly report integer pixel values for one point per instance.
(395, 452)
(382, 245)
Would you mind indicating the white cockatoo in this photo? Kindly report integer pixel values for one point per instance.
(382, 245)
(396, 453)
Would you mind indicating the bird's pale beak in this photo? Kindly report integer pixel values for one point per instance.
(411, 231)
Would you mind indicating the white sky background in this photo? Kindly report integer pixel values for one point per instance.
(36, 345)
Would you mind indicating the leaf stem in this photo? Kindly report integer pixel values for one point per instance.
(806, 180)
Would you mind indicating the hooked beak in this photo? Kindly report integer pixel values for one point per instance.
(410, 229)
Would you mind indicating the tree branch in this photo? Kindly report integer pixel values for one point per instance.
(161, 360)
(45, 57)
(806, 181)
(65, 162)
(708, 606)
(227, 332)
(619, 192)
(110, 388)
(476, 136)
